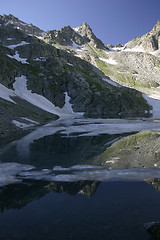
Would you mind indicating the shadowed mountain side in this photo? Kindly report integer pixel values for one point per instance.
(16, 196)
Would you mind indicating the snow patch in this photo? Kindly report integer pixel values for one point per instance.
(109, 61)
(118, 49)
(111, 82)
(154, 101)
(17, 45)
(18, 58)
(29, 120)
(20, 89)
(76, 29)
(41, 59)
(70, 64)
(76, 46)
(9, 39)
(22, 125)
(67, 108)
(6, 93)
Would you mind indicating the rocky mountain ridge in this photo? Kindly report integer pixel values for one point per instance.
(10, 20)
(149, 42)
(76, 72)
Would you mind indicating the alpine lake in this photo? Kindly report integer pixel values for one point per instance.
(77, 178)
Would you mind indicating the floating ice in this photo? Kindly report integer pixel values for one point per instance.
(9, 172)
(76, 167)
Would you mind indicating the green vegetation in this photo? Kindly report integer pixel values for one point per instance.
(122, 74)
(128, 144)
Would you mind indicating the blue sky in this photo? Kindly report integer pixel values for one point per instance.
(113, 21)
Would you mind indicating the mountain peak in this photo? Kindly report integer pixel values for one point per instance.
(85, 24)
(156, 28)
(86, 32)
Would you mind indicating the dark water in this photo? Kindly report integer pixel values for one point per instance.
(48, 209)
(60, 150)
(107, 210)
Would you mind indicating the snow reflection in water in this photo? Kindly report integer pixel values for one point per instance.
(85, 127)
(74, 128)
(13, 173)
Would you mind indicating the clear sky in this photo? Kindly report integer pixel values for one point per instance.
(113, 21)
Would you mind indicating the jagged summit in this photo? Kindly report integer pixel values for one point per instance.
(156, 28)
(79, 35)
(148, 42)
(65, 36)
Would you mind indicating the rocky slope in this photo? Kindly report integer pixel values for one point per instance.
(66, 69)
(138, 150)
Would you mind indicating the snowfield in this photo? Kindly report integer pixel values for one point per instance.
(20, 89)
(6, 93)
(109, 61)
(17, 45)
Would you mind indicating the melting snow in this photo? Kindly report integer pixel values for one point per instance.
(70, 64)
(5, 93)
(84, 127)
(110, 61)
(42, 59)
(111, 82)
(17, 45)
(10, 39)
(118, 48)
(29, 120)
(76, 29)
(14, 172)
(76, 167)
(18, 58)
(154, 101)
(21, 90)
(9, 172)
(76, 46)
(22, 125)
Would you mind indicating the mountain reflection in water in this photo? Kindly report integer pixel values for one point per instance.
(81, 179)
(80, 210)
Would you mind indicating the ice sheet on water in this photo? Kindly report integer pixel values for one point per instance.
(76, 167)
(14, 172)
(70, 127)
(9, 172)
